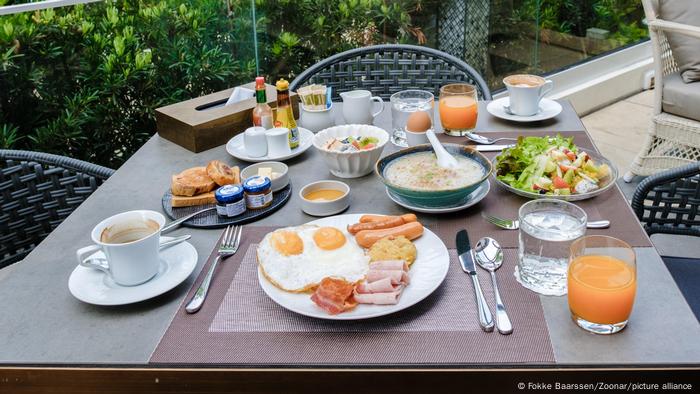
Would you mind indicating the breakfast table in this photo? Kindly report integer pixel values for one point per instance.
(44, 325)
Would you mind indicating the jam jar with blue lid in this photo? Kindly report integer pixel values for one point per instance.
(258, 192)
(230, 200)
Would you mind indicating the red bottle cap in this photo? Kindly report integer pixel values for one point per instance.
(260, 81)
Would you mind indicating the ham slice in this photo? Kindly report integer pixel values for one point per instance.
(388, 298)
(334, 296)
(389, 265)
(379, 286)
(396, 276)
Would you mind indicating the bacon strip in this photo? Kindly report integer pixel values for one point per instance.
(334, 296)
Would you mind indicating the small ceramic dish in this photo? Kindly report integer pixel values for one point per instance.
(351, 164)
(280, 168)
(434, 198)
(325, 207)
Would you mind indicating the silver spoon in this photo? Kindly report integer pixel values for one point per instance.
(480, 139)
(489, 256)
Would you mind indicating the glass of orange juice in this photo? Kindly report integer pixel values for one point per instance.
(458, 108)
(602, 282)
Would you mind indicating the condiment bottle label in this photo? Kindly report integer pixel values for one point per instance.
(231, 209)
(258, 200)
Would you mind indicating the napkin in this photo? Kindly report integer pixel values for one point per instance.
(240, 94)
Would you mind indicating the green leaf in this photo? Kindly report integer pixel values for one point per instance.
(119, 45)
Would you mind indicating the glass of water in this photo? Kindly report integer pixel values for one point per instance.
(411, 116)
(547, 229)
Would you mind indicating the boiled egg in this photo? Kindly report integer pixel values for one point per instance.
(418, 122)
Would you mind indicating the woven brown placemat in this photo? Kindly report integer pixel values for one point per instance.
(239, 325)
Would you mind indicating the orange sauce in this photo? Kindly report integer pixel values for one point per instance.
(324, 195)
(458, 112)
(601, 289)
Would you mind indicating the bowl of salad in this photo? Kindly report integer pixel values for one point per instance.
(553, 167)
(351, 150)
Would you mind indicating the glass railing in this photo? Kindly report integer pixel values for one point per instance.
(496, 37)
(84, 80)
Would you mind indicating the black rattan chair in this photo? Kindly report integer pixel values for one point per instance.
(387, 69)
(669, 203)
(37, 192)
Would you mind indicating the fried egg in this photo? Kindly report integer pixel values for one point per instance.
(297, 258)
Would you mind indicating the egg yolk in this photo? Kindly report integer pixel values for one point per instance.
(329, 238)
(287, 243)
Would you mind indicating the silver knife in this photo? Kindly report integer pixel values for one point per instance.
(491, 148)
(466, 260)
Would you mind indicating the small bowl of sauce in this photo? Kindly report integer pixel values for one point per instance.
(325, 198)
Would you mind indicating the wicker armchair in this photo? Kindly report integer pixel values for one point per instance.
(387, 69)
(37, 192)
(669, 202)
(673, 140)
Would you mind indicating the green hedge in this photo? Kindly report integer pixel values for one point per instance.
(84, 80)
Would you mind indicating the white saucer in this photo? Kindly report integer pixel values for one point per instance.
(548, 110)
(95, 287)
(473, 198)
(236, 148)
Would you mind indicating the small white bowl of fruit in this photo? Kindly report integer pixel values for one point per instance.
(350, 151)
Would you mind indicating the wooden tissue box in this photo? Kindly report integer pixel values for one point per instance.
(204, 122)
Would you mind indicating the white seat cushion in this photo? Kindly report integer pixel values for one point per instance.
(680, 98)
(686, 50)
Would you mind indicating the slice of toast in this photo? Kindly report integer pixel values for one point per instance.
(191, 182)
(200, 199)
(223, 174)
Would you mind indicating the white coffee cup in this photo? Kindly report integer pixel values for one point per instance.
(357, 106)
(526, 91)
(255, 142)
(136, 259)
(278, 142)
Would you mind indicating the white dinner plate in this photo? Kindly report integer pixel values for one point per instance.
(426, 275)
(548, 110)
(95, 287)
(472, 199)
(236, 148)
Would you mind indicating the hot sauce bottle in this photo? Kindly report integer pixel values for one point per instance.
(262, 113)
(285, 115)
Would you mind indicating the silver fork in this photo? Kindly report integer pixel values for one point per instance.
(515, 224)
(228, 247)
